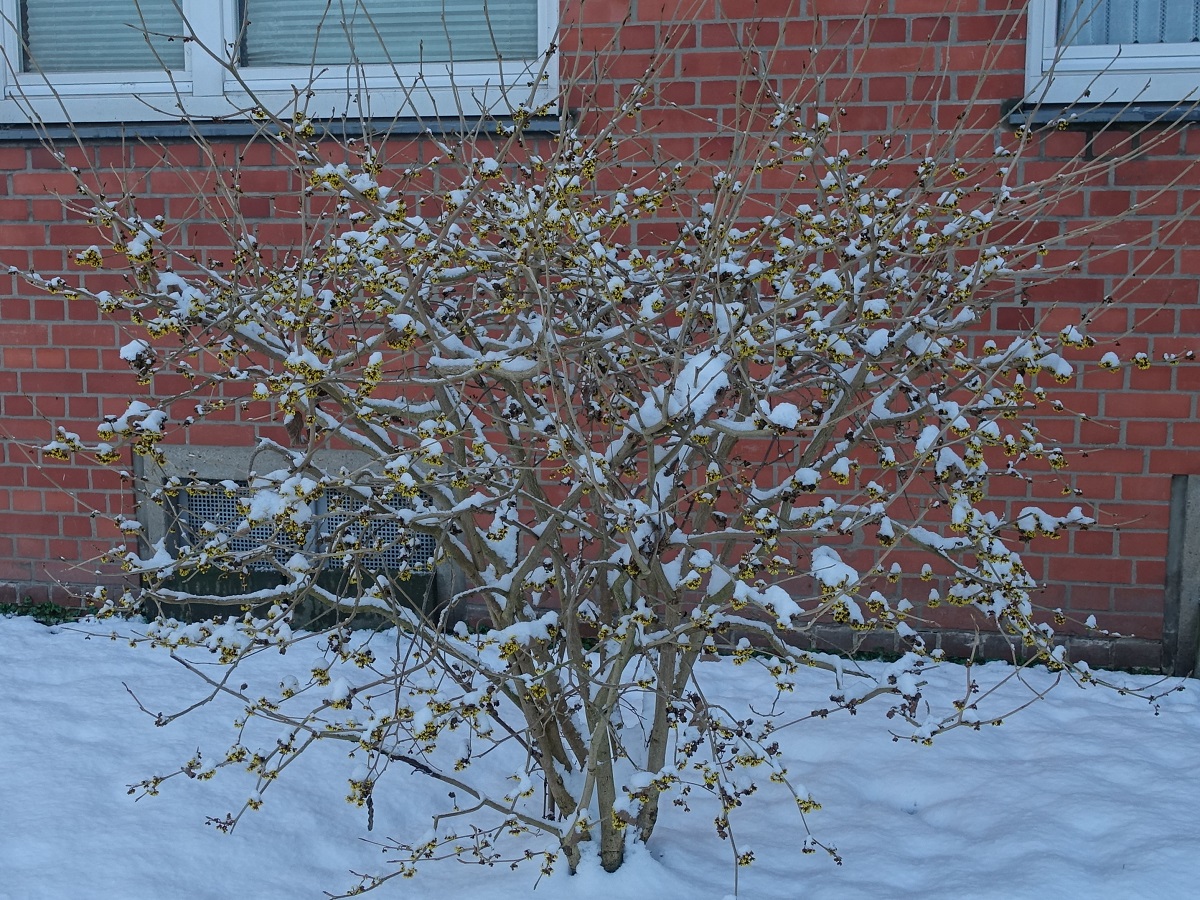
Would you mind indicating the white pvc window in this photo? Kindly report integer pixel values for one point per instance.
(163, 60)
(1113, 51)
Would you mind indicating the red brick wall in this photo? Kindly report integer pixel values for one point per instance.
(908, 69)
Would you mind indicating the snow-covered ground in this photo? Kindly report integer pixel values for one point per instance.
(1086, 794)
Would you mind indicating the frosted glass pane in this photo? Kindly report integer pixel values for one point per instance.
(1091, 22)
(100, 35)
(333, 32)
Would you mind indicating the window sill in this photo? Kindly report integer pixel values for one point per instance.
(1078, 115)
(216, 130)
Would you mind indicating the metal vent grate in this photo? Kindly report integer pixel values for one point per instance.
(391, 546)
(204, 512)
(345, 522)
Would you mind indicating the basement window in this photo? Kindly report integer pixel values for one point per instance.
(356, 543)
(215, 514)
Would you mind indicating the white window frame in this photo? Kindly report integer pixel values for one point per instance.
(1104, 73)
(205, 90)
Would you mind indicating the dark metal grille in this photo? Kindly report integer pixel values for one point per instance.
(346, 523)
(390, 546)
(355, 541)
(206, 512)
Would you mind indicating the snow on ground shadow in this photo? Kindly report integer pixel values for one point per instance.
(1084, 794)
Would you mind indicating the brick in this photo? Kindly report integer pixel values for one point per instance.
(14, 210)
(1093, 543)
(1153, 488)
(46, 210)
(1150, 172)
(1110, 460)
(1087, 599)
(27, 501)
(147, 156)
(43, 183)
(13, 158)
(50, 309)
(17, 357)
(11, 567)
(887, 30)
(1134, 654)
(971, 28)
(51, 383)
(68, 334)
(78, 526)
(47, 261)
(1133, 624)
(1014, 318)
(22, 235)
(1139, 405)
(34, 549)
(886, 88)
(31, 334)
(266, 181)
